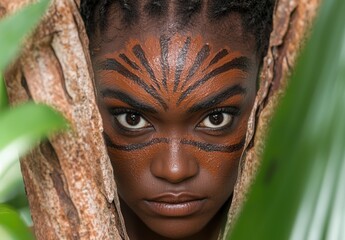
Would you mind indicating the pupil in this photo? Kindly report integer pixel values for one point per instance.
(132, 119)
(216, 119)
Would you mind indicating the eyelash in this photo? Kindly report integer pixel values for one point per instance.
(235, 111)
(117, 111)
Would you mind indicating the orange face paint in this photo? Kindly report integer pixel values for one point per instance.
(172, 68)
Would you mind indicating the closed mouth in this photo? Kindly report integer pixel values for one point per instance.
(176, 205)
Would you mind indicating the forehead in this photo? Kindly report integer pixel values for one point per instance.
(177, 70)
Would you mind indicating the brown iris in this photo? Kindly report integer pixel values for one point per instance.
(216, 119)
(133, 119)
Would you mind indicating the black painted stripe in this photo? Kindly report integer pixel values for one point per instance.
(140, 54)
(181, 62)
(208, 147)
(133, 147)
(218, 57)
(112, 64)
(129, 62)
(241, 63)
(164, 44)
(200, 58)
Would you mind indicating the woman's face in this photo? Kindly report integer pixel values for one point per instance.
(175, 114)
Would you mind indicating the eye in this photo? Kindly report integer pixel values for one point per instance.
(132, 121)
(220, 118)
(217, 120)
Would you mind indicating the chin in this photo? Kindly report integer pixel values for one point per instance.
(177, 228)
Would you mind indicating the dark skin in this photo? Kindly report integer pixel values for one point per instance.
(175, 107)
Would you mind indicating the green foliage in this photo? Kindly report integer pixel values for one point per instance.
(21, 128)
(11, 225)
(3, 94)
(25, 125)
(14, 28)
(299, 192)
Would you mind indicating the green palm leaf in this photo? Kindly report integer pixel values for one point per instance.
(25, 125)
(300, 189)
(15, 27)
(3, 94)
(11, 226)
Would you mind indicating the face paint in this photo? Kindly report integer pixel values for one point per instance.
(175, 113)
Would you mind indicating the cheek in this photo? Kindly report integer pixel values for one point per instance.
(130, 168)
(220, 164)
(221, 169)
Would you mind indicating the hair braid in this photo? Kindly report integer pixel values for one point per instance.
(156, 8)
(256, 15)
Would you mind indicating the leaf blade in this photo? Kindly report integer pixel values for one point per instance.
(298, 185)
(11, 225)
(3, 94)
(23, 126)
(16, 27)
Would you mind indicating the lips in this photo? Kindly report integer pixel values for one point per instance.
(176, 205)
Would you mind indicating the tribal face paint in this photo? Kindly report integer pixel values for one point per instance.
(175, 113)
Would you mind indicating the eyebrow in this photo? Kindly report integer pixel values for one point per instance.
(126, 98)
(241, 63)
(219, 98)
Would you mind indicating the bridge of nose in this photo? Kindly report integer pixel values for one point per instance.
(175, 163)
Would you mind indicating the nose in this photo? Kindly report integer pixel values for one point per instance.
(175, 164)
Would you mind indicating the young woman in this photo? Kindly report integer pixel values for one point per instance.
(176, 83)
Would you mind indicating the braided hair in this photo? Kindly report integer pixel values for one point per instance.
(256, 14)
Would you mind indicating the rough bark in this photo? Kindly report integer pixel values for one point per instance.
(69, 179)
(292, 22)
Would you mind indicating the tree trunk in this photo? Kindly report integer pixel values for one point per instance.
(69, 179)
